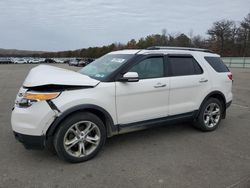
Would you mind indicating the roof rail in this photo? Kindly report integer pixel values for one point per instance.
(178, 48)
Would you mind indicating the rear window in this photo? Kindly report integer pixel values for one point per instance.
(217, 64)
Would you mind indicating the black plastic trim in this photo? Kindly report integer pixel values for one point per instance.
(179, 55)
(30, 142)
(228, 104)
(124, 128)
(53, 106)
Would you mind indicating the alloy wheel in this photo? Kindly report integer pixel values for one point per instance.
(211, 115)
(82, 138)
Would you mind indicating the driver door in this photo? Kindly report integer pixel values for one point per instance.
(146, 99)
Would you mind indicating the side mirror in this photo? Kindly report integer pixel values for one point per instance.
(130, 77)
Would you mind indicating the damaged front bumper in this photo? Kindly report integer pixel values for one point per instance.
(30, 124)
(31, 142)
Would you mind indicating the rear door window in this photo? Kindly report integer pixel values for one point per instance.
(217, 64)
(184, 65)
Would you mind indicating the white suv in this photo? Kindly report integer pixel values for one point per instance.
(122, 91)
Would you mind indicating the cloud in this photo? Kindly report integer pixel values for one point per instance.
(72, 24)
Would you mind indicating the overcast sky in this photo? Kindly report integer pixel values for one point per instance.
(72, 24)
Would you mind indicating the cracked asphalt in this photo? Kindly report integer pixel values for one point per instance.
(168, 156)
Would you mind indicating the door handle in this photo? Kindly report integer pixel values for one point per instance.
(160, 85)
(203, 80)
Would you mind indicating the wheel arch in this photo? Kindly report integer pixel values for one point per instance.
(97, 110)
(218, 95)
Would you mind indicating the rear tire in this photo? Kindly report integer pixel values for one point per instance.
(210, 115)
(80, 137)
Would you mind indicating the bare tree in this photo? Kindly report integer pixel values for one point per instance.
(220, 32)
(198, 41)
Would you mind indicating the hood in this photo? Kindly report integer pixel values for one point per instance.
(50, 75)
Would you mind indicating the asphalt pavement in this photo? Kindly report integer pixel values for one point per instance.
(168, 156)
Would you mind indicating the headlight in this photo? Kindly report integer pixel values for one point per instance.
(30, 98)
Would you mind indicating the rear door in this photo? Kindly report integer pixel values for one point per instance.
(188, 83)
(146, 99)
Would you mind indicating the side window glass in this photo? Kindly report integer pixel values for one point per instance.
(217, 64)
(197, 68)
(149, 68)
(183, 66)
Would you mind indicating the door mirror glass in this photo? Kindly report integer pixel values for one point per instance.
(130, 77)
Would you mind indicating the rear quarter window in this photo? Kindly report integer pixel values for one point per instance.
(217, 64)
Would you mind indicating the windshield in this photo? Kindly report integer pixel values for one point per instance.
(105, 65)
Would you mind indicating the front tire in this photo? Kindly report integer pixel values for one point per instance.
(210, 115)
(80, 137)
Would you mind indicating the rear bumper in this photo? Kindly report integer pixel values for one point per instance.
(30, 142)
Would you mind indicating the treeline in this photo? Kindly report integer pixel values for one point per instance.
(225, 37)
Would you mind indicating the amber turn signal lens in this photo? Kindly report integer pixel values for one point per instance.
(41, 96)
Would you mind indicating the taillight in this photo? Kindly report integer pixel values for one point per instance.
(230, 76)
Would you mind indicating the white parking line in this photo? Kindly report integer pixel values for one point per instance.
(243, 180)
(241, 106)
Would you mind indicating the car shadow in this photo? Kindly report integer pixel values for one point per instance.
(127, 140)
(152, 134)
